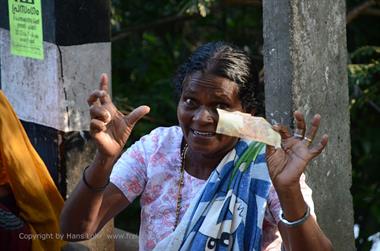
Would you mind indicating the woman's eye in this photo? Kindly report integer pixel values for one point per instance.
(189, 102)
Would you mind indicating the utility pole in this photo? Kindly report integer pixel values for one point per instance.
(306, 69)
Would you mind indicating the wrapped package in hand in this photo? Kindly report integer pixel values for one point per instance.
(243, 125)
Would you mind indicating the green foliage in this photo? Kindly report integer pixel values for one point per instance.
(366, 55)
(364, 82)
(196, 7)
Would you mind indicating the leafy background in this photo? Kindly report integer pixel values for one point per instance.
(151, 38)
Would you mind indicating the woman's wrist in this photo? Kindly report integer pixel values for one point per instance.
(96, 176)
(103, 161)
(292, 202)
(288, 192)
(91, 187)
(297, 222)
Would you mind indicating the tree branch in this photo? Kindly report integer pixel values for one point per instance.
(243, 2)
(124, 108)
(372, 12)
(358, 10)
(363, 8)
(155, 24)
(370, 102)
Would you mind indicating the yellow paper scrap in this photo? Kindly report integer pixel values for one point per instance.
(25, 25)
(243, 125)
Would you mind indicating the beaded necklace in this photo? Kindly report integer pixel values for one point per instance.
(180, 185)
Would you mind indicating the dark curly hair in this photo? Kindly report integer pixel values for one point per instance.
(223, 60)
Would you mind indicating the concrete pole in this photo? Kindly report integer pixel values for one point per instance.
(49, 95)
(305, 69)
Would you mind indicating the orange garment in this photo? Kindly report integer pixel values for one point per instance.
(36, 195)
(3, 174)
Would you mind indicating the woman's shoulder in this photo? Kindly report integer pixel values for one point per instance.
(166, 131)
(160, 139)
(163, 135)
(161, 150)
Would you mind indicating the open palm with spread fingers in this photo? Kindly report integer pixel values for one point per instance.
(109, 127)
(286, 164)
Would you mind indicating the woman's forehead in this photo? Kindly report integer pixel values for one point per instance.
(199, 82)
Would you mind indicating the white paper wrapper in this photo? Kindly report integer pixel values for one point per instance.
(243, 125)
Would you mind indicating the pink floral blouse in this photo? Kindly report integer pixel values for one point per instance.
(151, 168)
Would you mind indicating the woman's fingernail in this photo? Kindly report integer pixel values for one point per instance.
(109, 117)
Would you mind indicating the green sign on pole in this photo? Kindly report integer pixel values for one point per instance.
(25, 25)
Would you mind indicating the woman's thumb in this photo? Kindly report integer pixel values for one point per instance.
(135, 115)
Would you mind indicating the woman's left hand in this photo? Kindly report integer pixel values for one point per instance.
(286, 164)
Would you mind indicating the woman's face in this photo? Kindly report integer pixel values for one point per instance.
(197, 115)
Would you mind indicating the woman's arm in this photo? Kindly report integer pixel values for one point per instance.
(306, 236)
(286, 166)
(86, 211)
(89, 206)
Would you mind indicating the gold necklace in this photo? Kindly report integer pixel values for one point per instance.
(180, 186)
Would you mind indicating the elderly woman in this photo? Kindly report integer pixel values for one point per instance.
(200, 190)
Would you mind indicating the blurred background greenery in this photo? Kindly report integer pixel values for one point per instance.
(151, 38)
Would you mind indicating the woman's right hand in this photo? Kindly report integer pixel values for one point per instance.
(109, 127)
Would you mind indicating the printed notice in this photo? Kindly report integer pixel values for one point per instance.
(25, 24)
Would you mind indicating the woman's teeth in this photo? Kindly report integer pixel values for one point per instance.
(207, 134)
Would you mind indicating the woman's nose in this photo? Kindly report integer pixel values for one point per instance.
(204, 114)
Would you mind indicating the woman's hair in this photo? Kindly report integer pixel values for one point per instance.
(223, 60)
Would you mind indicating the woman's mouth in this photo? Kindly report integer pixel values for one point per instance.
(202, 133)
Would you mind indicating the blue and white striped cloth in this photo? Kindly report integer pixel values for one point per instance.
(228, 212)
